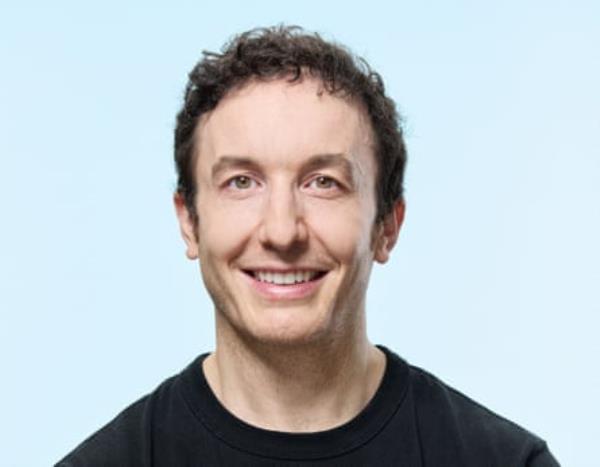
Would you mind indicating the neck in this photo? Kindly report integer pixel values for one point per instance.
(295, 388)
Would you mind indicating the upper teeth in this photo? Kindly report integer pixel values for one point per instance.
(286, 277)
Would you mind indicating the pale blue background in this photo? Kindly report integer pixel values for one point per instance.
(494, 285)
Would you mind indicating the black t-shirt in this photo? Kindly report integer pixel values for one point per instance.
(414, 419)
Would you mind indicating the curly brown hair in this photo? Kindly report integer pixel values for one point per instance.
(289, 52)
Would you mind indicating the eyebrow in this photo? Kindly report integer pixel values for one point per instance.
(315, 162)
(337, 160)
(226, 162)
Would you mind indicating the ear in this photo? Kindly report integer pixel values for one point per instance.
(186, 226)
(388, 231)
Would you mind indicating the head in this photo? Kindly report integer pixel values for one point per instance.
(290, 169)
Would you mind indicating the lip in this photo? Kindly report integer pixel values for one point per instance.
(276, 292)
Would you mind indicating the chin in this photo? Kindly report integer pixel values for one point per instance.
(285, 327)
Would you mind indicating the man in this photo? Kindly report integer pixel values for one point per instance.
(290, 164)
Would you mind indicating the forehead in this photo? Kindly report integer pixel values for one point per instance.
(283, 121)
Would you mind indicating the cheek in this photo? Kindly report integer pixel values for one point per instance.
(224, 228)
(344, 229)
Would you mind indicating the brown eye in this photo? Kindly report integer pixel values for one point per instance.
(242, 182)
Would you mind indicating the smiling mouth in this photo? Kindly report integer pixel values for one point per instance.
(285, 278)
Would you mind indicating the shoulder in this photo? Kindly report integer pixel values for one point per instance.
(125, 440)
(447, 418)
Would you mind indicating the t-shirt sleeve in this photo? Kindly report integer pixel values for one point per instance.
(107, 448)
(123, 442)
(542, 458)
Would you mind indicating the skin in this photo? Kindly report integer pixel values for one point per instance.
(286, 181)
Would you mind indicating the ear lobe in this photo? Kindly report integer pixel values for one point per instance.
(388, 231)
(186, 227)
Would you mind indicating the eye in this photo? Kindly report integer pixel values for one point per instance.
(323, 182)
(240, 182)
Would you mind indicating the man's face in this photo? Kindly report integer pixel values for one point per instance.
(286, 235)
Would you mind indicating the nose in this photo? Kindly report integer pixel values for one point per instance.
(283, 225)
